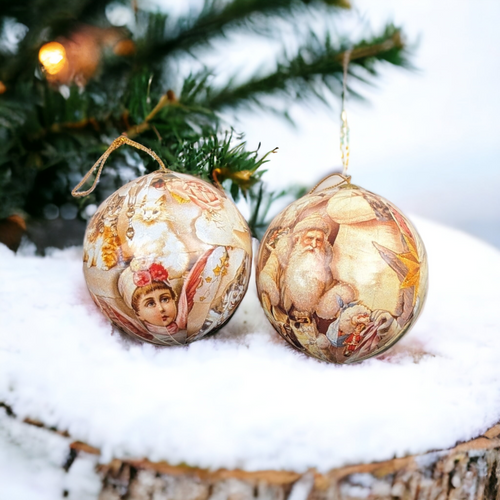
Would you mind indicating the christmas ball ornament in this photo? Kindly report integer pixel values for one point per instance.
(167, 257)
(341, 273)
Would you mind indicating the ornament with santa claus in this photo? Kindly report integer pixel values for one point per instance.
(341, 274)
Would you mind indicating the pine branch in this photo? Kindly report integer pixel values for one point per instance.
(316, 67)
(55, 153)
(49, 140)
(217, 17)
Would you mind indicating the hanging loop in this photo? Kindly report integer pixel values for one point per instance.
(119, 141)
(330, 182)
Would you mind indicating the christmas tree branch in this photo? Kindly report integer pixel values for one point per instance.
(166, 99)
(217, 17)
(51, 133)
(313, 69)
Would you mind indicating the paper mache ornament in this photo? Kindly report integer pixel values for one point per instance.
(341, 273)
(167, 257)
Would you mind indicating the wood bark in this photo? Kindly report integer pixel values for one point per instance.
(468, 471)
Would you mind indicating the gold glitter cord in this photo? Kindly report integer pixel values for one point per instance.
(344, 127)
(334, 181)
(119, 141)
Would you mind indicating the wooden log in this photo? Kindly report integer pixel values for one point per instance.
(469, 471)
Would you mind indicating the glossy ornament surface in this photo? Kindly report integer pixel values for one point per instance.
(167, 258)
(341, 273)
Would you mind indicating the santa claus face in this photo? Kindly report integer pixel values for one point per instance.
(157, 307)
(312, 239)
(307, 270)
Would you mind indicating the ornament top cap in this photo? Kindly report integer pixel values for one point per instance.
(330, 182)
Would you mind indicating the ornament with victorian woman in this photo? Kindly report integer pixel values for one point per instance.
(180, 258)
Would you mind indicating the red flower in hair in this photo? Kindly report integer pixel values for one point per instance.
(158, 272)
(142, 278)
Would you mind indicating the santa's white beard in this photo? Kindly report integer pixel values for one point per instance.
(305, 278)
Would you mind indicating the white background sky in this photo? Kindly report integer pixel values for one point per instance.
(428, 140)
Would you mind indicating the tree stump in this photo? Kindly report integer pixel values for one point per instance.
(470, 470)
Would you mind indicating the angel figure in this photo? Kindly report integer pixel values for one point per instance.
(160, 310)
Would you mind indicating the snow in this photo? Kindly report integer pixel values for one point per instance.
(31, 465)
(242, 398)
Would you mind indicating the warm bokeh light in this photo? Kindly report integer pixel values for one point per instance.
(53, 57)
(77, 59)
(124, 47)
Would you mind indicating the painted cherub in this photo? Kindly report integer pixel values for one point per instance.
(154, 301)
(148, 292)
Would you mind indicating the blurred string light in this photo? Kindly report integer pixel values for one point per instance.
(76, 59)
(51, 211)
(53, 58)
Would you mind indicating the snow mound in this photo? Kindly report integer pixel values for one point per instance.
(243, 398)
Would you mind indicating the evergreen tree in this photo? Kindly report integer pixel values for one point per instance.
(58, 117)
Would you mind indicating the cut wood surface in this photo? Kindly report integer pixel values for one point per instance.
(470, 470)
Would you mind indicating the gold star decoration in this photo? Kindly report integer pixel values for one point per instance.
(405, 264)
(412, 264)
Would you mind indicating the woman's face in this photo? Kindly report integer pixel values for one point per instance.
(157, 308)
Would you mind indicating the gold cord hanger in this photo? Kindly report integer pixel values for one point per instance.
(333, 181)
(344, 127)
(119, 141)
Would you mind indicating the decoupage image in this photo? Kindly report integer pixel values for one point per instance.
(341, 274)
(167, 258)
